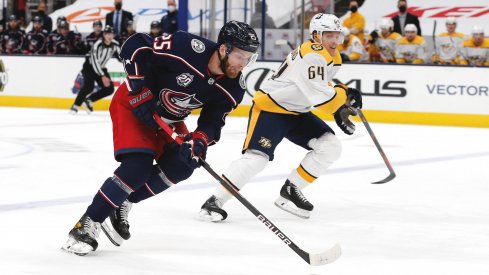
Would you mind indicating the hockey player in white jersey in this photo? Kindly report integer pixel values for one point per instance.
(475, 50)
(448, 44)
(385, 41)
(282, 109)
(412, 47)
(352, 48)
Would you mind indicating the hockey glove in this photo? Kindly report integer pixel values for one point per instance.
(193, 148)
(143, 106)
(354, 98)
(343, 121)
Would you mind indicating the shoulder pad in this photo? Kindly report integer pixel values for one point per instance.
(310, 47)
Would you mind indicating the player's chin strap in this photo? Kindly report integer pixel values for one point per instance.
(359, 112)
(323, 258)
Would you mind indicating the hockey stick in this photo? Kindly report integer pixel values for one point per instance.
(323, 258)
(392, 174)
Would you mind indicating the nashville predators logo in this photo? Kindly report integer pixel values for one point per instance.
(265, 142)
(316, 47)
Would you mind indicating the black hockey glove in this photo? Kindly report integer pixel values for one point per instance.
(143, 106)
(354, 98)
(374, 35)
(193, 147)
(343, 121)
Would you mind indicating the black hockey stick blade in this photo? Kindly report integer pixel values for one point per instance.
(392, 174)
(323, 258)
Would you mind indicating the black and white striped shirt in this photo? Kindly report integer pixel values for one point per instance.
(101, 53)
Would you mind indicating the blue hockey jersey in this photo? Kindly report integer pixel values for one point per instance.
(175, 69)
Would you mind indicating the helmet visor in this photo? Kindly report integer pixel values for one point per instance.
(244, 58)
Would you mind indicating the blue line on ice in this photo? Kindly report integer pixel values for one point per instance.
(209, 184)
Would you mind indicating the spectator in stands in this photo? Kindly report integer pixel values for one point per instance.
(13, 37)
(37, 38)
(47, 21)
(411, 48)
(169, 22)
(384, 42)
(448, 44)
(118, 18)
(65, 41)
(355, 22)
(352, 48)
(475, 50)
(257, 15)
(404, 18)
(93, 37)
(155, 29)
(130, 30)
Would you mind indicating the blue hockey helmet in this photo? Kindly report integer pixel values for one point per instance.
(240, 35)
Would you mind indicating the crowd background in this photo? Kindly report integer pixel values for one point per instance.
(395, 40)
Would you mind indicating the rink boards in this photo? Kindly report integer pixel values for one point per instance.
(433, 95)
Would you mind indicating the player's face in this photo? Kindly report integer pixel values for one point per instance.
(13, 24)
(236, 61)
(410, 35)
(97, 29)
(385, 31)
(64, 31)
(478, 38)
(451, 28)
(331, 40)
(108, 37)
(155, 30)
(37, 25)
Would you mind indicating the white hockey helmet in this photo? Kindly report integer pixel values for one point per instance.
(476, 29)
(411, 28)
(323, 22)
(386, 24)
(451, 20)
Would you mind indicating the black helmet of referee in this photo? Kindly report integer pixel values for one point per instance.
(240, 35)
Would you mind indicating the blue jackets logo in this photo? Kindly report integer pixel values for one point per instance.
(197, 45)
(177, 103)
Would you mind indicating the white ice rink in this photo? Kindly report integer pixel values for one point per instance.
(432, 219)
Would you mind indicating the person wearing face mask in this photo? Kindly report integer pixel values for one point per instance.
(118, 18)
(355, 22)
(47, 21)
(169, 22)
(404, 18)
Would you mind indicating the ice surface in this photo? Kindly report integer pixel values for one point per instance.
(432, 219)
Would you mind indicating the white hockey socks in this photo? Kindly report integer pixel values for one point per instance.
(241, 171)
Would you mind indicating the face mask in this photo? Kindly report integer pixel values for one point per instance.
(172, 8)
(41, 12)
(354, 9)
(402, 9)
(118, 6)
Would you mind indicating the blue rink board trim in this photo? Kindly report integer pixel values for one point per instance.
(183, 187)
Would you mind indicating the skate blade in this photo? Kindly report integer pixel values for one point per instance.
(206, 216)
(75, 247)
(111, 234)
(288, 206)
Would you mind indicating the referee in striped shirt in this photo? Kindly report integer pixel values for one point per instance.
(94, 71)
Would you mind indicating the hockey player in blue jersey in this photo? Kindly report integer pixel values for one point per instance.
(171, 75)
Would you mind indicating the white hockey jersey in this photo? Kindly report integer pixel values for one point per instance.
(387, 46)
(353, 48)
(475, 55)
(411, 51)
(448, 47)
(303, 82)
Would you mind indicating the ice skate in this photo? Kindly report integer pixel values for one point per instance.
(117, 230)
(73, 110)
(293, 201)
(88, 106)
(83, 237)
(212, 211)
